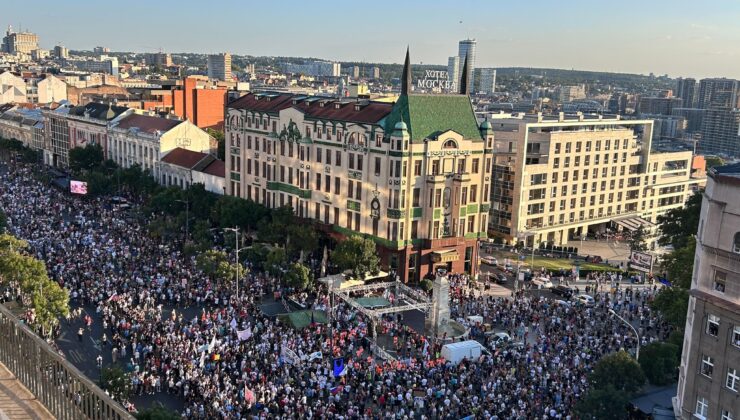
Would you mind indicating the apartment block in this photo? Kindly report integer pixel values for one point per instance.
(219, 66)
(556, 178)
(709, 377)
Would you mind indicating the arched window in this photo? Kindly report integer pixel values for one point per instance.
(449, 144)
(736, 244)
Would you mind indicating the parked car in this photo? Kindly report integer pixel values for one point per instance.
(585, 300)
(489, 260)
(499, 278)
(562, 290)
(542, 283)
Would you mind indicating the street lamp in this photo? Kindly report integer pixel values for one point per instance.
(637, 351)
(187, 218)
(237, 249)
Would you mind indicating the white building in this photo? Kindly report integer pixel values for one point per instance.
(104, 64)
(183, 168)
(316, 68)
(487, 81)
(12, 88)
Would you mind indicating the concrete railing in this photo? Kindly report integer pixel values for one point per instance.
(59, 386)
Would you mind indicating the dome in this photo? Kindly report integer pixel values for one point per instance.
(486, 125)
(401, 126)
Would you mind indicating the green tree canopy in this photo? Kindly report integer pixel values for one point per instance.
(157, 412)
(659, 361)
(679, 264)
(637, 240)
(215, 264)
(86, 158)
(257, 255)
(672, 303)
(681, 223)
(603, 404)
(220, 140)
(357, 254)
(618, 370)
(117, 382)
(275, 262)
(298, 276)
(302, 238)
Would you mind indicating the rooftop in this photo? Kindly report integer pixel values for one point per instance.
(183, 157)
(147, 123)
(428, 115)
(98, 111)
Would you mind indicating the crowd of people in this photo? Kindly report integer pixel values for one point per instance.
(178, 332)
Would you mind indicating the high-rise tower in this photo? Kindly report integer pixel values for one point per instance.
(466, 48)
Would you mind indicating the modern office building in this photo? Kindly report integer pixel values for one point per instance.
(453, 71)
(720, 132)
(487, 81)
(658, 106)
(685, 89)
(709, 377)
(219, 66)
(555, 178)
(101, 50)
(618, 103)
(694, 118)
(718, 93)
(411, 175)
(466, 49)
(56, 136)
(19, 42)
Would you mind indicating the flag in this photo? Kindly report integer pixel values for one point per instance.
(335, 390)
(315, 355)
(339, 368)
(249, 396)
(202, 359)
(233, 323)
(664, 281)
(244, 334)
(114, 296)
(213, 344)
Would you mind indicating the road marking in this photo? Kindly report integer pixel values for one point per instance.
(95, 344)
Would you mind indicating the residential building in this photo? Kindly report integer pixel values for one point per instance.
(56, 136)
(201, 102)
(103, 64)
(718, 93)
(466, 50)
(411, 175)
(12, 88)
(355, 72)
(685, 88)
(144, 140)
(618, 103)
(658, 106)
(709, 376)
(314, 68)
(219, 66)
(45, 89)
(453, 72)
(19, 42)
(61, 52)
(183, 168)
(88, 124)
(720, 132)
(487, 81)
(571, 93)
(694, 118)
(376, 72)
(24, 124)
(159, 59)
(556, 178)
(101, 50)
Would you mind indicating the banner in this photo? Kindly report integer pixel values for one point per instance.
(641, 261)
(244, 335)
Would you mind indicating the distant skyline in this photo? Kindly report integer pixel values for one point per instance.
(680, 38)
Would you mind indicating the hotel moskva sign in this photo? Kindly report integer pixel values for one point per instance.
(436, 79)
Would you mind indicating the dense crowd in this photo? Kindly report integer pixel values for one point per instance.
(178, 332)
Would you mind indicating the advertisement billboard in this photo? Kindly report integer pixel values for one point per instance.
(641, 261)
(78, 187)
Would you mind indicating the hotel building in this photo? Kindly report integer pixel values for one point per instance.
(709, 377)
(555, 178)
(412, 175)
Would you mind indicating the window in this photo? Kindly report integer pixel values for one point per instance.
(318, 155)
(474, 193)
(337, 185)
(359, 162)
(476, 163)
(713, 325)
(415, 197)
(732, 379)
(449, 144)
(377, 166)
(417, 168)
(736, 336)
(736, 244)
(726, 415)
(702, 408)
(720, 280)
(707, 366)
(338, 158)
(327, 184)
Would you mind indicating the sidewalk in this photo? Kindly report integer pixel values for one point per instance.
(16, 402)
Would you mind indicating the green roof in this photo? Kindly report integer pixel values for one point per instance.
(429, 115)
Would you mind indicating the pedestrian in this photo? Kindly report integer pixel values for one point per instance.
(80, 332)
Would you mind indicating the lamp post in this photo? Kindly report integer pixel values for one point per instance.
(236, 249)
(637, 351)
(187, 218)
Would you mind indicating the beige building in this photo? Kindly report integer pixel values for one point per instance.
(45, 89)
(219, 66)
(19, 42)
(556, 178)
(709, 378)
(12, 88)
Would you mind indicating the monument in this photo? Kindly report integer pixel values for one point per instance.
(439, 315)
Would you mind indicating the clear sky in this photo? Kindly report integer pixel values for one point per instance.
(696, 38)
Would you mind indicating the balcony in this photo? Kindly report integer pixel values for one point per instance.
(462, 177)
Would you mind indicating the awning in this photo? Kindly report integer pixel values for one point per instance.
(448, 255)
(633, 222)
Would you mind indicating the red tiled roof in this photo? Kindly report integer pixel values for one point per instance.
(216, 168)
(368, 112)
(148, 124)
(183, 157)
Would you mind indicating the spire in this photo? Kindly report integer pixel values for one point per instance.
(406, 75)
(464, 77)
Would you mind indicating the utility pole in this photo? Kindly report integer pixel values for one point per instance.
(637, 351)
(237, 249)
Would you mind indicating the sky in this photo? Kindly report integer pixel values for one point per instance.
(675, 37)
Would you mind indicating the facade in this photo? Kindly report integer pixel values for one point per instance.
(158, 59)
(101, 50)
(410, 174)
(453, 71)
(376, 72)
(201, 102)
(61, 52)
(24, 124)
(88, 124)
(104, 64)
(694, 118)
(144, 140)
(20, 42)
(12, 88)
(554, 179)
(722, 93)
(466, 48)
(315, 68)
(183, 168)
(571, 93)
(219, 66)
(487, 81)
(720, 132)
(709, 377)
(685, 88)
(46, 89)
(658, 106)
(56, 136)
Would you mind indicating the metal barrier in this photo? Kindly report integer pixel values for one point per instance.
(59, 386)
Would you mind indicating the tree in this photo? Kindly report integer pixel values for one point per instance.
(607, 403)
(157, 412)
(673, 304)
(298, 276)
(659, 361)
(219, 136)
(637, 240)
(357, 254)
(215, 264)
(677, 225)
(257, 255)
(86, 158)
(713, 161)
(3, 221)
(619, 371)
(679, 264)
(275, 262)
(50, 303)
(116, 381)
(302, 238)
(276, 231)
